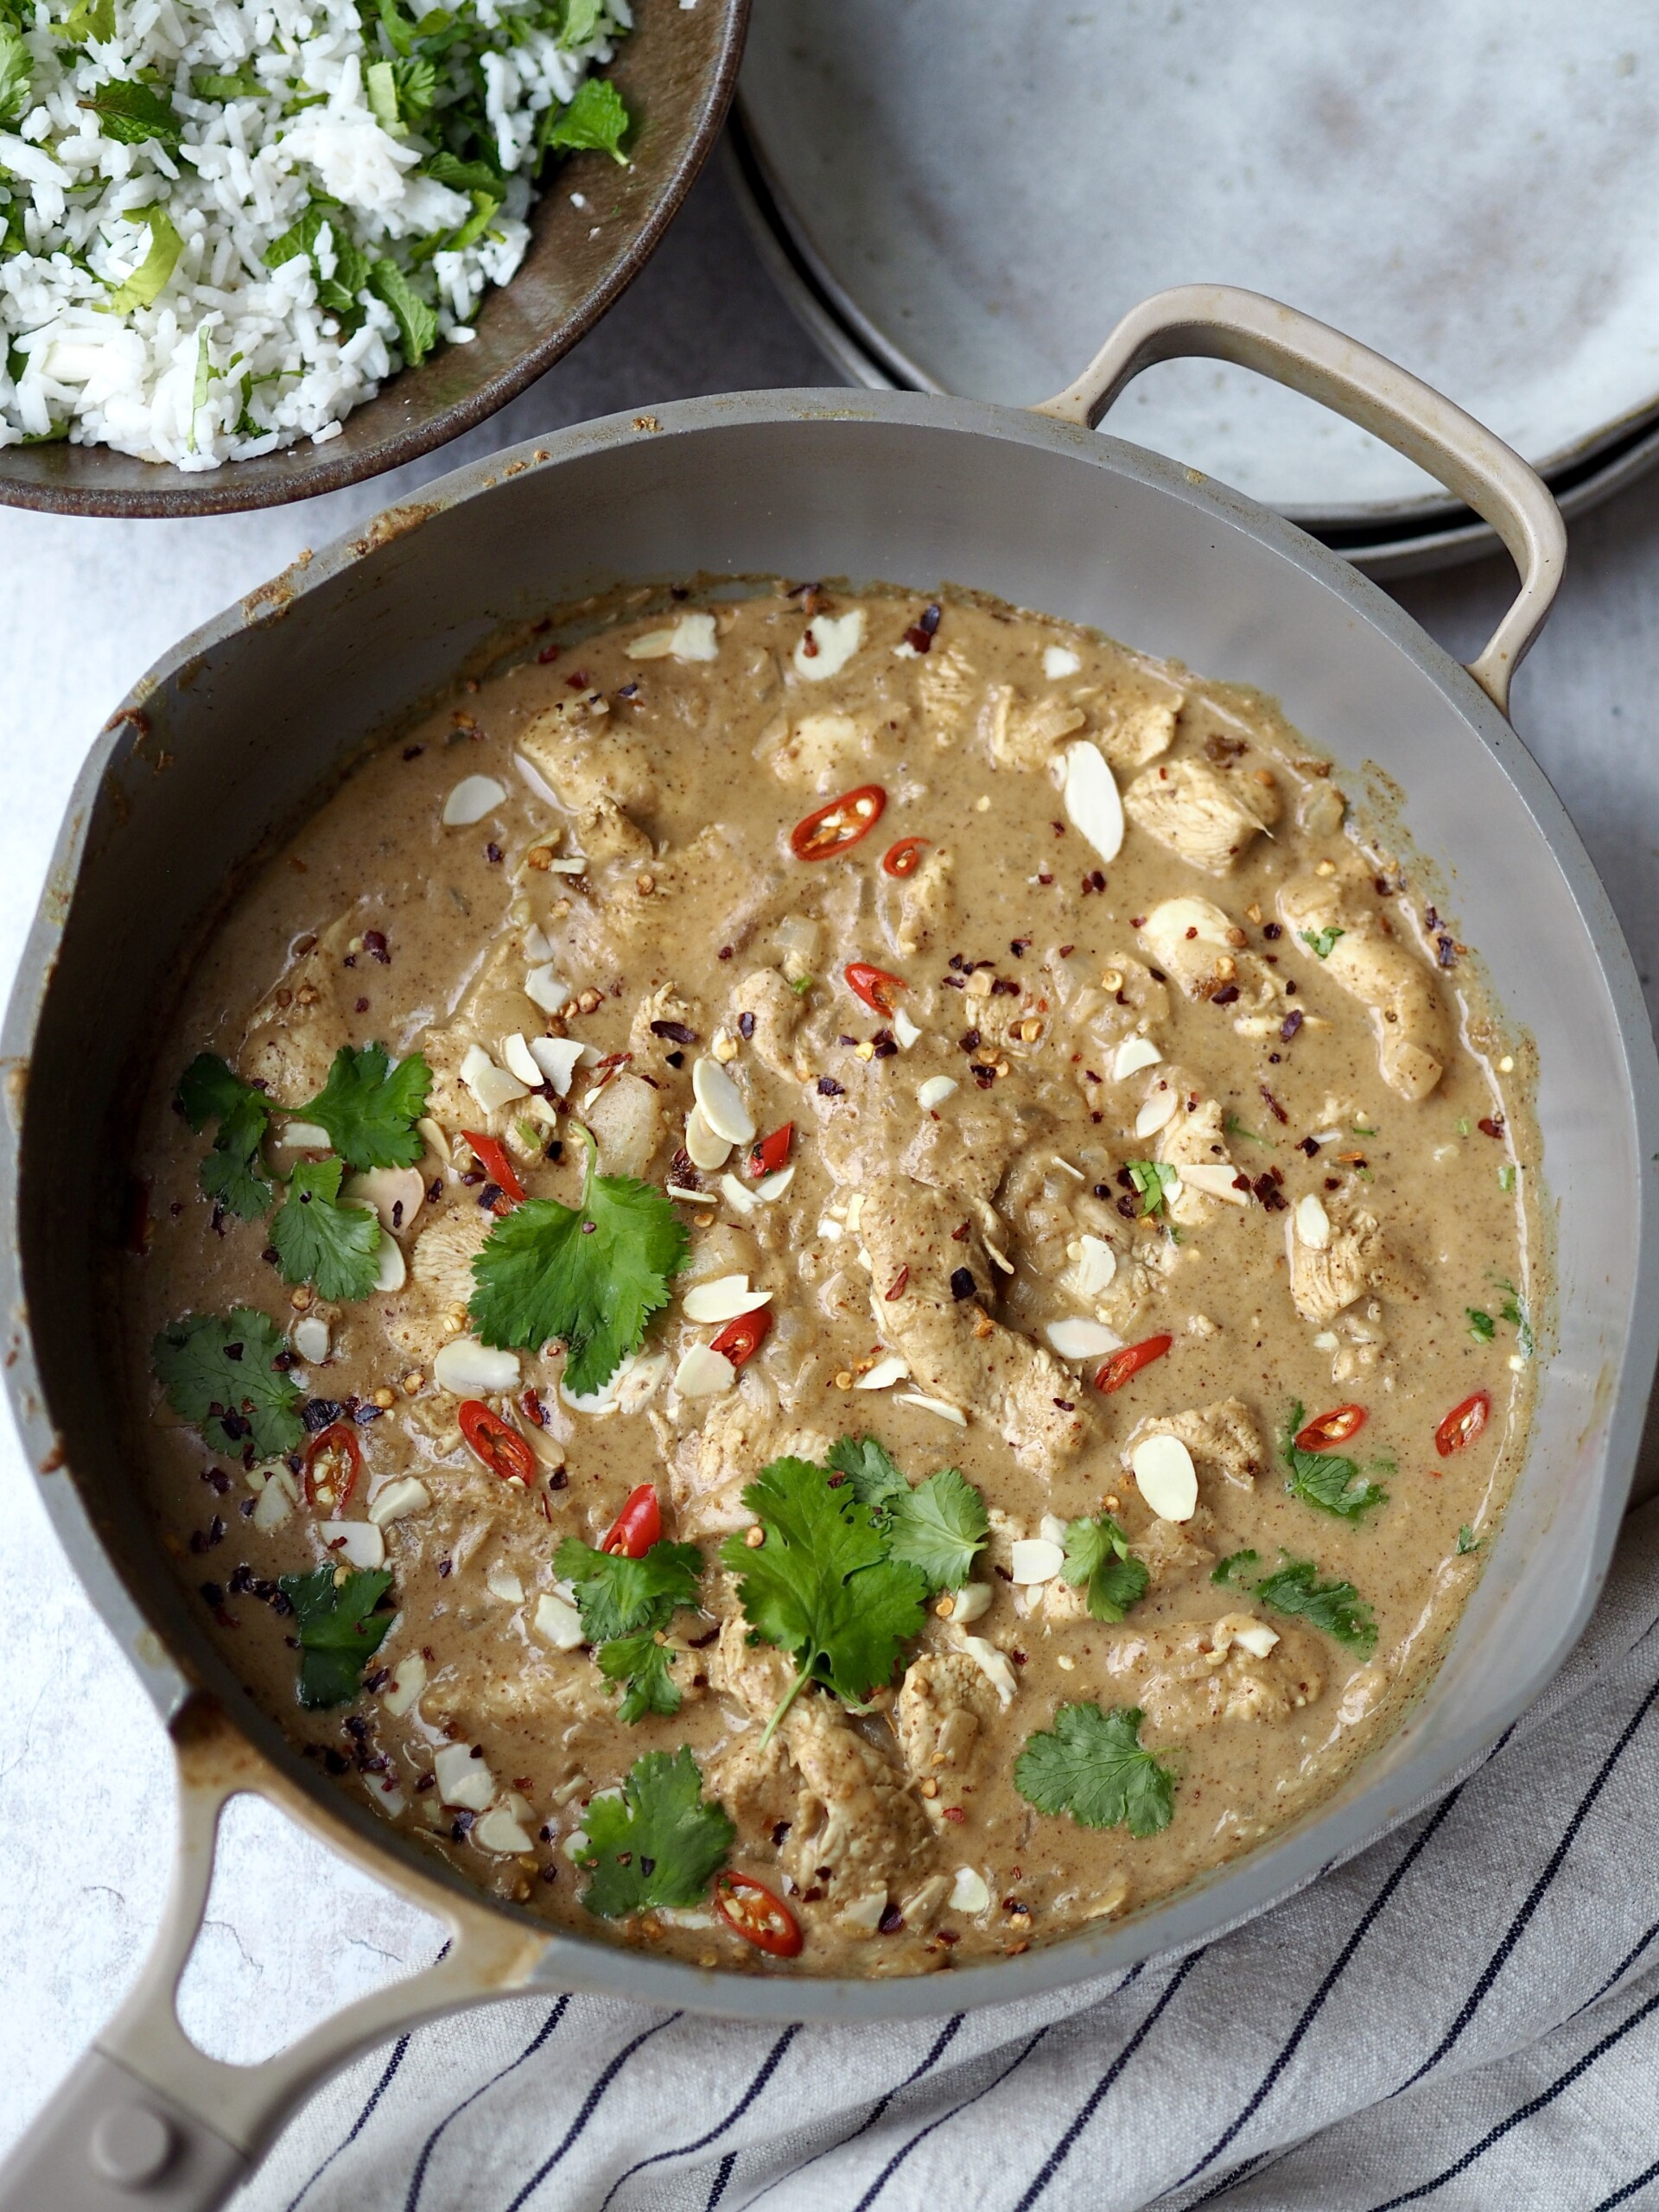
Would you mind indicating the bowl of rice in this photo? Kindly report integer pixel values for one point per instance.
(254, 249)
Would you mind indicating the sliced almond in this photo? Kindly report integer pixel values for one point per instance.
(703, 1148)
(1158, 1111)
(1093, 1269)
(991, 1664)
(558, 1622)
(884, 1375)
(1217, 1180)
(1312, 1222)
(391, 1269)
(1035, 1559)
(501, 1582)
(357, 1543)
(302, 1136)
(515, 1051)
(463, 1778)
(1092, 804)
(935, 1092)
(834, 639)
(396, 1500)
(1079, 1339)
(722, 1299)
(772, 1187)
(500, 1830)
(927, 1405)
(1132, 1055)
(472, 798)
(703, 1373)
(1059, 661)
(971, 1602)
(491, 1086)
(1258, 1639)
(408, 1681)
(309, 1337)
(721, 1102)
(397, 1194)
(692, 638)
(467, 1369)
(968, 1892)
(903, 1030)
(558, 1059)
(1169, 1481)
(737, 1196)
(548, 988)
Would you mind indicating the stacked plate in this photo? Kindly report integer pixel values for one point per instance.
(963, 196)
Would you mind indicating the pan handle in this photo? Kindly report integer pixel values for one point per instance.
(1227, 324)
(147, 2122)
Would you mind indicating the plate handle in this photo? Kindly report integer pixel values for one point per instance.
(1225, 323)
(148, 2123)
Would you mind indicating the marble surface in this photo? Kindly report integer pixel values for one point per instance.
(84, 1796)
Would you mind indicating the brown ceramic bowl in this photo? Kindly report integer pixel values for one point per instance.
(676, 71)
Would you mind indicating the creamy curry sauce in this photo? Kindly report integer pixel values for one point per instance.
(971, 1226)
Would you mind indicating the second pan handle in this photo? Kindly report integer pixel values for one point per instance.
(1225, 323)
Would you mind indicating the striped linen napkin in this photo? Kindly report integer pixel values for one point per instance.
(1465, 2014)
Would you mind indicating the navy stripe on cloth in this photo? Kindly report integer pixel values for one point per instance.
(589, 2107)
(418, 2177)
(723, 2174)
(1623, 2196)
(1311, 2010)
(359, 2124)
(1535, 1896)
(916, 2140)
(1061, 2152)
(769, 2067)
(946, 2036)
(1533, 2105)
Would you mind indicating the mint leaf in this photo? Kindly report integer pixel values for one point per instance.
(417, 327)
(596, 118)
(590, 1275)
(657, 1844)
(318, 1241)
(133, 113)
(462, 176)
(16, 73)
(339, 1630)
(1097, 1557)
(148, 281)
(217, 1373)
(1326, 1478)
(369, 1108)
(1335, 1607)
(1092, 1766)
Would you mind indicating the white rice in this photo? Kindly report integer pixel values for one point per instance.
(232, 358)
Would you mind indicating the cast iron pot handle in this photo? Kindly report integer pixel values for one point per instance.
(1227, 324)
(147, 2122)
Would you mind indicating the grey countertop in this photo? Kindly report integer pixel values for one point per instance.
(84, 1796)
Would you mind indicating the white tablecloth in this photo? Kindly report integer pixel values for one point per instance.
(84, 1804)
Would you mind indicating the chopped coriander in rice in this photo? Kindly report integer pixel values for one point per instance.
(224, 223)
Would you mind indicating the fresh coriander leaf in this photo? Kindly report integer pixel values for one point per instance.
(1092, 1766)
(1463, 1125)
(870, 1468)
(802, 984)
(1467, 1540)
(146, 283)
(417, 326)
(658, 1843)
(1098, 1557)
(319, 1241)
(88, 20)
(591, 1275)
(1234, 1127)
(462, 176)
(1506, 1176)
(581, 23)
(16, 73)
(218, 1374)
(1320, 941)
(369, 1108)
(616, 1595)
(939, 1527)
(339, 1630)
(244, 85)
(1226, 1571)
(596, 118)
(132, 113)
(1513, 1310)
(645, 1669)
(1481, 1327)
(822, 1585)
(209, 1090)
(414, 83)
(1326, 1478)
(1336, 1607)
(1152, 1179)
(484, 212)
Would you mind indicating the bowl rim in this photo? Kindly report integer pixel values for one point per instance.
(178, 497)
(1360, 1811)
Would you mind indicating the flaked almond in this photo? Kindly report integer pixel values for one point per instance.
(1257, 1638)
(1169, 1481)
(408, 1681)
(1059, 661)
(692, 638)
(516, 1052)
(354, 1543)
(1034, 1560)
(1078, 1337)
(492, 1087)
(722, 1299)
(463, 1778)
(738, 1195)
(472, 798)
(884, 1375)
(1092, 804)
(720, 1103)
(558, 1622)
(396, 1500)
(502, 1832)
(940, 1406)
(703, 1373)
(309, 1337)
(397, 1194)
(467, 1369)
(1093, 1267)
(935, 1092)
(1312, 1222)
(703, 1148)
(501, 1582)
(968, 1892)
(997, 1670)
(1132, 1055)
(558, 1058)
(547, 988)
(1217, 1180)
(1157, 1111)
(832, 639)
(772, 1186)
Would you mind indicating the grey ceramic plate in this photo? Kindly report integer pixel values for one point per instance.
(973, 187)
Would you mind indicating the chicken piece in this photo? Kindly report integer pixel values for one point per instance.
(760, 1788)
(939, 1327)
(1204, 815)
(1223, 1438)
(820, 752)
(757, 1675)
(776, 1011)
(1326, 1278)
(1198, 1674)
(967, 1151)
(492, 1006)
(1170, 1549)
(587, 761)
(1202, 949)
(743, 1429)
(1410, 1021)
(926, 905)
(431, 1307)
(1141, 732)
(949, 684)
(604, 832)
(856, 1814)
(945, 1702)
(1024, 733)
(296, 1030)
(664, 1004)
(1194, 1139)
